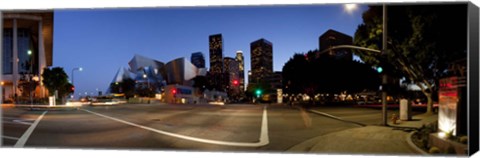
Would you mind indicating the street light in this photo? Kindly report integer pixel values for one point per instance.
(148, 82)
(73, 84)
(379, 69)
(384, 77)
(350, 7)
(29, 52)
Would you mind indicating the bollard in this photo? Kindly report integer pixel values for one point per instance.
(405, 110)
(394, 119)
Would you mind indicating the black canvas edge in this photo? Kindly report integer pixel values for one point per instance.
(473, 82)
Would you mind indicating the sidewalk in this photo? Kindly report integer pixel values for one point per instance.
(42, 107)
(378, 140)
(417, 121)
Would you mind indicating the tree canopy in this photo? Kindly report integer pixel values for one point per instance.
(126, 86)
(309, 74)
(55, 79)
(422, 41)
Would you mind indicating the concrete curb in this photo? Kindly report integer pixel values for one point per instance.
(305, 146)
(47, 107)
(337, 118)
(413, 146)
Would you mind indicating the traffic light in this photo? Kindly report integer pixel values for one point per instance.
(72, 88)
(235, 82)
(258, 92)
(174, 91)
(379, 69)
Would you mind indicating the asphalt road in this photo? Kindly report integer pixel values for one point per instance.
(232, 127)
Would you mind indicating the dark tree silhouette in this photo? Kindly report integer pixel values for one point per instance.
(422, 41)
(127, 87)
(309, 74)
(55, 79)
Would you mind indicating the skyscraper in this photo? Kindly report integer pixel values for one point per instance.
(198, 59)
(231, 69)
(216, 53)
(335, 38)
(241, 69)
(216, 61)
(261, 60)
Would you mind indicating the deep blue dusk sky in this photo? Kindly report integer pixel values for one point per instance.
(103, 40)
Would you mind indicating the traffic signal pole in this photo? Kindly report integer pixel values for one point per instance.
(384, 100)
(382, 53)
(384, 76)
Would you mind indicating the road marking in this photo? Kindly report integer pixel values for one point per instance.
(17, 120)
(263, 140)
(8, 137)
(22, 122)
(337, 118)
(21, 142)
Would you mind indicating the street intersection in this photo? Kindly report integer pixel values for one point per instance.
(199, 127)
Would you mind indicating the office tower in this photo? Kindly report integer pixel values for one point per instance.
(216, 61)
(261, 60)
(241, 68)
(335, 38)
(198, 59)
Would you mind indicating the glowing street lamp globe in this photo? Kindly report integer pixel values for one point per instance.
(350, 7)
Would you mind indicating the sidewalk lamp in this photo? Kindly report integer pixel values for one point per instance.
(148, 81)
(384, 76)
(73, 84)
(29, 52)
(349, 8)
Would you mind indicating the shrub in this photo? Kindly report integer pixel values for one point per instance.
(450, 150)
(434, 150)
(463, 139)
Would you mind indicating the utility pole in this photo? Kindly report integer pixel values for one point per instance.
(384, 76)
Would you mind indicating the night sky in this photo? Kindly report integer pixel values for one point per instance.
(103, 40)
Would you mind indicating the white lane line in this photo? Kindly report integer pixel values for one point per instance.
(22, 122)
(8, 137)
(21, 142)
(263, 140)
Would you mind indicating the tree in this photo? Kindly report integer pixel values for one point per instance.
(201, 82)
(422, 41)
(145, 91)
(126, 86)
(55, 79)
(27, 84)
(312, 74)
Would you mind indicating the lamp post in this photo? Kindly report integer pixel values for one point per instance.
(380, 70)
(29, 52)
(73, 84)
(148, 81)
(350, 8)
(384, 76)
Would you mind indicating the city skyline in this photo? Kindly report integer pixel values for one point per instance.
(107, 38)
(320, 79)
